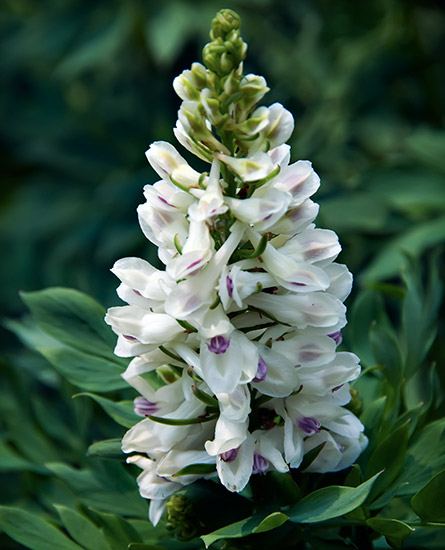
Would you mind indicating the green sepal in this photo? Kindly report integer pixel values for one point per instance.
(177, 243)
(181, 421)
(205, 397)
(186, 325)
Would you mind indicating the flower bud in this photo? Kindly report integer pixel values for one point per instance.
(225, 21)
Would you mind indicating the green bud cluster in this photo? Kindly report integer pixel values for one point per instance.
(227, 49)
(180, 517)
(218, 98)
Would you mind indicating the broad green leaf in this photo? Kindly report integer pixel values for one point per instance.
(272, 521)
(389, 455)
(284, 487)
(118, 532)
(73, 318)
(81, 529)
(392, 258)
(429, 502)
(330, 502)
(425, 458)
(108, 487)
(393, 530)
(121, 411)
(372, 415)
(419, 312)
(367, 309)
(33, 531)
(386, 350)
(196, 469)
(30, 333)
(354, 477)
(11, 461)
(236, 530)
(107, 449)
(424, 388)
(89, 372)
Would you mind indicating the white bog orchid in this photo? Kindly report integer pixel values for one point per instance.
(235, 342)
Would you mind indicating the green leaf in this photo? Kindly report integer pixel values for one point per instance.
(390, 456)
(284, 487)
(196, 469)
(138, 546)
(33, 531)
(73, 318)
(107, 486)
(121, 411)
(272, 521)
(367, 309)
(310, 456)
(392, 257)
(118, 532)
(330, 502)
(89, 372)
(12, 461)
(109, 449)
(425, 458)
(429, 502)
(393, 530)
(81, 529)
(386, 350)
(235, 530)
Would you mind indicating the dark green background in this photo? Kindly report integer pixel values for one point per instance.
(86, 87)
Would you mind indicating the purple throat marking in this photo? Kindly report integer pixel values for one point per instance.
(337, 337)
(229, 284)
(130, 338)
(260, 464)
(261, 373)
(218, 345)
(144, 407)
(230, 455)
(309, 425)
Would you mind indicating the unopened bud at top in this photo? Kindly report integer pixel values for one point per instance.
(225, 21)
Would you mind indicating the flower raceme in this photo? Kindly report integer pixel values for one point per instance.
(235, 341)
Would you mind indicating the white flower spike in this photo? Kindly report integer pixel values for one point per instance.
(242, 326)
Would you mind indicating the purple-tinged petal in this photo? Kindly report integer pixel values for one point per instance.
(144, 407)
(309, 425)
(230, 455)
(260, 464)
(261, 372)
(229, 284)
(337, 337)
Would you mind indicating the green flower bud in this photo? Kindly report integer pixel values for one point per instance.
(224, 22)
(227, 49)
(181, 519)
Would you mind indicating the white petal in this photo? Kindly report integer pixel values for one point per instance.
(236, 474)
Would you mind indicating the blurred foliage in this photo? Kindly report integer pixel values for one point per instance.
(86, 87)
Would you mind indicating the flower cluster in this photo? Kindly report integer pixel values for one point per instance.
(234, 343)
